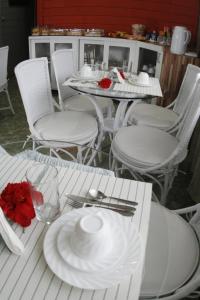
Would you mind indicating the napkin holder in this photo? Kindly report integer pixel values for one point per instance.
(119, 77)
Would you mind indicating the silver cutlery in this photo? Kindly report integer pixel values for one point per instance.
(77, 204)
(82, 81)
(97, 202)
(96, 194)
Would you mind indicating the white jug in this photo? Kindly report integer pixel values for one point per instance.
(180, 39)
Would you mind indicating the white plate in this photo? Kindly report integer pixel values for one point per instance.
(96, 76)
(126, 265)
(100, 263)
(134, 82)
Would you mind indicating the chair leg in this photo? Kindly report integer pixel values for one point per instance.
(9, 101)
(165, 189)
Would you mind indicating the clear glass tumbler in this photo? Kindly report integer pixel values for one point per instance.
(43, 181)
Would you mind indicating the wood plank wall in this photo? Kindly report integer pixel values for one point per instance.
(173, 70)
(113, 15)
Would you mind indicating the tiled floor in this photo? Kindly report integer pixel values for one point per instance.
(15, 128)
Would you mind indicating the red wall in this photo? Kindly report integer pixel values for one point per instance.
(113, 15)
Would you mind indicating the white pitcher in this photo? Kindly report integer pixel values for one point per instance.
(180, 39)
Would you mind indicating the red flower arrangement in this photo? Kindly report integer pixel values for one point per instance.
(105, 83)
(16, 202)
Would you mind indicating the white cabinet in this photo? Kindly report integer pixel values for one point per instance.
(44, 46)
(129, 55)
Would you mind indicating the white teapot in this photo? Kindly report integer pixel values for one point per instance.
(180, 39)
(86, 71)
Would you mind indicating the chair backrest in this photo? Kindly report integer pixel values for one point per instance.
(185, 91)
(3, 65)
(190, 119)
(35, 88)
(64, 66)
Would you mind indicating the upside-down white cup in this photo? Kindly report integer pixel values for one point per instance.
(143, 78)
(91, 238)
(86, 71)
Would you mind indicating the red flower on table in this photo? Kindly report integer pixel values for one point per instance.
(16, 202)
(105, 83)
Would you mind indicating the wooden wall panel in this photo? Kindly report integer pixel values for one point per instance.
(115, 15)
(173, 70)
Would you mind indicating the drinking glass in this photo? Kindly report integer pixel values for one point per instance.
(43, 181)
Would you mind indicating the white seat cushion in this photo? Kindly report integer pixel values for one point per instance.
(67, 126)
(83, 104)
(146, 145)
(172, 253)
(152, 115)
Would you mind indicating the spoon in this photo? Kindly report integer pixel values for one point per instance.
(95, 194)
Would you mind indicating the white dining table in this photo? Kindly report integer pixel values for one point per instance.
(28, 276)
(123, 93)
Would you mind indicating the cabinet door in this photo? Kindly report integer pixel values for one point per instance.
(148, 59)
(40, 48)
(119, 53)
(91, 51)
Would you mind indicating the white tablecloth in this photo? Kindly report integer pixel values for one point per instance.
(28, 276)
(154, 89)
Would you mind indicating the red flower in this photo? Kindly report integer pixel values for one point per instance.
(122, 74)
(16, 202)
(105, 83)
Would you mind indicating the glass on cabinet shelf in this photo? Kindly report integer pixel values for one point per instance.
(42, 50)
(118, 57)
(59, 46)
(93, 53)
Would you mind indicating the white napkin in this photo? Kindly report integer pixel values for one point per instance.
(9, 236)
(121, 80)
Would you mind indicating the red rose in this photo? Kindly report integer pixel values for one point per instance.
(122, 74)
(16, 203)
(105, 83)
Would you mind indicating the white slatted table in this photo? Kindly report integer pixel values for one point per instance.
(28, 276)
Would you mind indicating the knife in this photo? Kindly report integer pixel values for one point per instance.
(93, 202)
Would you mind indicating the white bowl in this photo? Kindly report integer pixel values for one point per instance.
(143, 78)
(92, 237)
(86, 71)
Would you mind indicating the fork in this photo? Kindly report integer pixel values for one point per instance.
(77, 204)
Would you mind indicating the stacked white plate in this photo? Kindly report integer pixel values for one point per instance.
(93, 271)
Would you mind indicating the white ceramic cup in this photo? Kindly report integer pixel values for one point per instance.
(143, 78)
(86, 71)
(91, 238)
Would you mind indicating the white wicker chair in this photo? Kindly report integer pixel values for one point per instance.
(153, 154)
(63, 64)
(166, 118)
(172, 268)
(3, 77)
(57, 130)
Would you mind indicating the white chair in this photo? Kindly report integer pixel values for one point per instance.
(3, 77)
(172, 265)
(153, 154)
(57, 130)
(64, 67)
(165, 118)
